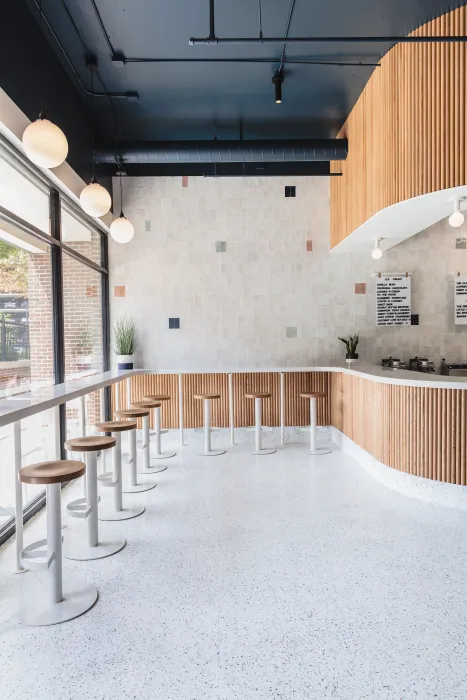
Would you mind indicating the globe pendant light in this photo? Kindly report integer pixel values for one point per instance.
(457, 218)
(122, 230)
(94, 199)
(44, 142)
(376, 253)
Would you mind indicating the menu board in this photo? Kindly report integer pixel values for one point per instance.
(393, 300)
(460, 300)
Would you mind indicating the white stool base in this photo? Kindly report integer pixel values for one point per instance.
(211, 453)
(107, 513)
(138, 488)
(78, 598)
(75, 547)
(164, 455)
(18, 571)
(317, 451)
(265, 451)
(153, 470)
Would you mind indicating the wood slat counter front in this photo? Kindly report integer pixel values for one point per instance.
(411, 422)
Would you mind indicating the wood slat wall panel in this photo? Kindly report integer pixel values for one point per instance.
(144, 384)
(418, 430)
(193, 408)
(296, 409)
(407, 130)
(244, 414)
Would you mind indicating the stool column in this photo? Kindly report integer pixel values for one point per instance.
(54, 542)
(145, 445)
(91, 499)
(207, 425)
(157, 428)
(258, 425)
(313, 413)
(117, 465)
(132, 456)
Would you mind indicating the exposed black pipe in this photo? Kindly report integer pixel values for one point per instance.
(227, 151)
(123, 59)
(212, 29)
(289, 20)
(302, 169)
(332, 40)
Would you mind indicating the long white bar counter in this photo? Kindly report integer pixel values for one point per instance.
(21, 406)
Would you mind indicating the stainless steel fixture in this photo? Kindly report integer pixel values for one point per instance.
(421, 364)
(453, 369)
(393, 363)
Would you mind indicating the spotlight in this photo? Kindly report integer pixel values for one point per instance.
(457, 218)
(376, 253)
(278, 79)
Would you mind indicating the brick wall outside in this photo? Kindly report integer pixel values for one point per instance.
(15, 377)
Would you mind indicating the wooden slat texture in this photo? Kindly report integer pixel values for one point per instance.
(407, 130)
(244, 409)
(296, 409)
(418, 430)
(193, 408)
(144, 384)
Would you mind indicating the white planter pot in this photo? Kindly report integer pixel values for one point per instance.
(125, 362)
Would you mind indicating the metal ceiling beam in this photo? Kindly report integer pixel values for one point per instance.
(315, 169)
(122, 60)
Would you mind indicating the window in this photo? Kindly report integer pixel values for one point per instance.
(26, 345)
(21, 196)
(80, 236)
(82, 312)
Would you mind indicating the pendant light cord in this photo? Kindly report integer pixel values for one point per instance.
(121, 198)
(93, 179)
(260, 20)
(42, 67)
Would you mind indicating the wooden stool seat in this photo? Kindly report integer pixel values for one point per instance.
(55, 472)
(258, 395)
(313, 395)
(157, 397)
(201, 397)
(90, 443)
(147, 403)
(132, 412)
(115, 426)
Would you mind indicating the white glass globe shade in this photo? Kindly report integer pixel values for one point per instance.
(45, 144)
(456, 219)
(95, 199)
(122, 230)
(376, 253)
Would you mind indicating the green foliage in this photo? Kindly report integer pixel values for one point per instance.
(125, 336)
(13, 269)
(351, 343)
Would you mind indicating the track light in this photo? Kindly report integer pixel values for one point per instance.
(278, 79)
(457, 218)
(376, 253)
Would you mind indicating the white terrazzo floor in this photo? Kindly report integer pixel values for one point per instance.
(282, 578)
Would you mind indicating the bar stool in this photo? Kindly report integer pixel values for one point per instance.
(134, 486)
(149, 405)
(313, 396)
(61, 603)
(207, 398)
(114, 480)
(258, 396)
(94, 547)
(157, 426)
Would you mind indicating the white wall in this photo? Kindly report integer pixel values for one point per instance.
(234, 307)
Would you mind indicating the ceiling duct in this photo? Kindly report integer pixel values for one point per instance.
(291, 151)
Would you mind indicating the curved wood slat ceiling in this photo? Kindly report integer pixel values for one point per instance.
(407, 130)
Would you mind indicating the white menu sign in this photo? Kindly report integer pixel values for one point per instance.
(460, 300)
(393, 300)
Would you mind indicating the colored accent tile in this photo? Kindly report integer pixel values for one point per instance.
(119, 291)
(221, 246)
(309, 246)
(174, 323)
(147, 225)
(461, 243)
(184, 180)
(360, 287)
(291, 332)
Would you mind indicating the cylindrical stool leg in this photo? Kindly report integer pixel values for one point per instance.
(91, 499)
(117, 489)
(157, 428)
(312, 424)
(118, 512)
(132, 456)
(54, 542)
(258, 425)
(207, 426)
(133, 486)
(145, 445)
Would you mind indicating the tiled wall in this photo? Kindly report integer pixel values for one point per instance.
(275, 296)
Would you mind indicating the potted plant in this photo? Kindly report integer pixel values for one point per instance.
(351, 344)
(125, 342)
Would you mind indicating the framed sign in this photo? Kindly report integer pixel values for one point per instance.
(393, 300)
(460, 300)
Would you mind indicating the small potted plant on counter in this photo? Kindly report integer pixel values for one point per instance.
(125, 343)
(351, 344)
